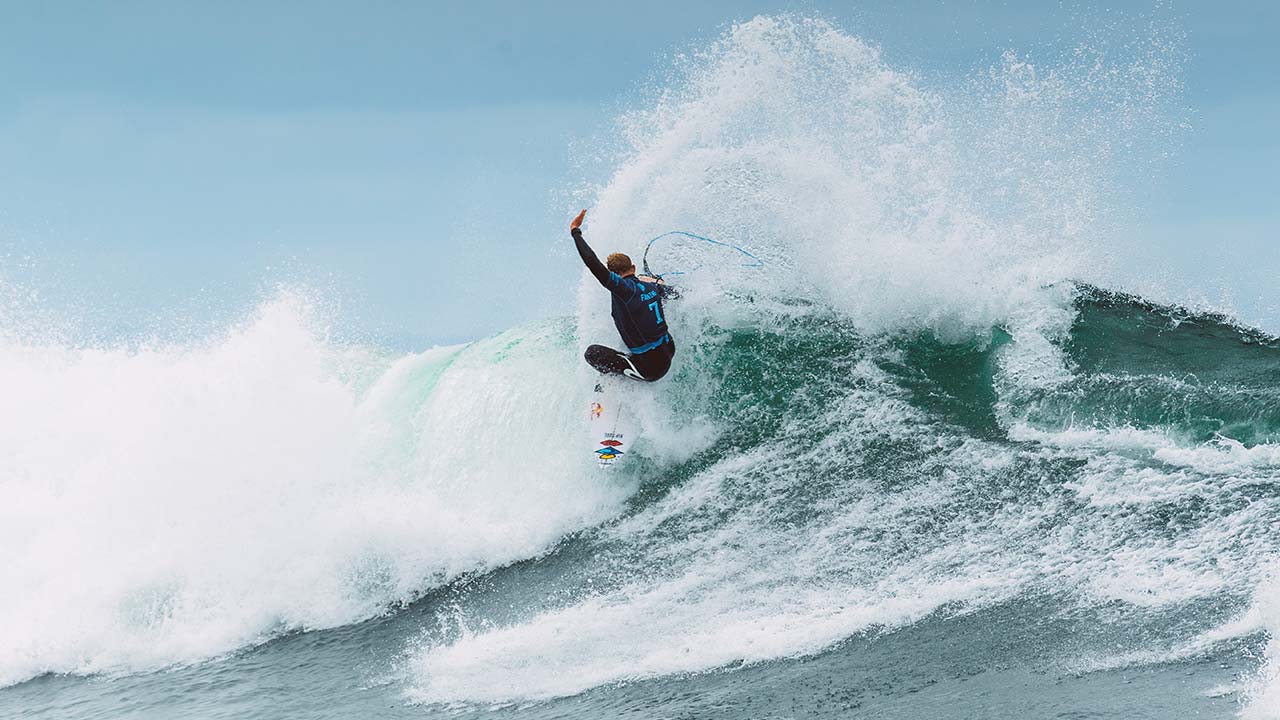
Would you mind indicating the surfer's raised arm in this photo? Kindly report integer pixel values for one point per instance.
(588, 255)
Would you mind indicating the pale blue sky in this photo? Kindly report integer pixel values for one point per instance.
(163, 160)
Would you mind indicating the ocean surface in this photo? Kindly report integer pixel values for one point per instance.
(924, 463)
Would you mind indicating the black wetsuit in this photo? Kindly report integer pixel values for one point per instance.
(638, 315)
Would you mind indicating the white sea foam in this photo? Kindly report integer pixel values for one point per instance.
(1263, 690)
(166, 504)
(729, 585)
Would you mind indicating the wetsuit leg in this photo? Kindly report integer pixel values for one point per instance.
(649, 366)
(609, 361)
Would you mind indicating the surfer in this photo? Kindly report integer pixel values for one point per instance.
(637, 313)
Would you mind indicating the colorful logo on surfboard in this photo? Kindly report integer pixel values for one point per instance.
(596, 409)
(610, 450)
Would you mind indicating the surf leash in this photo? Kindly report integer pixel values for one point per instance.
(644, 261)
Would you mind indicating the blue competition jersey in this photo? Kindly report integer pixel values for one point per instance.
(637, 312)
(637, 304)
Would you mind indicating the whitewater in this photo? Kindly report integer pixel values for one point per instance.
(929, 460)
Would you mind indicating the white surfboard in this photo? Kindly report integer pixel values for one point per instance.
(611, 436)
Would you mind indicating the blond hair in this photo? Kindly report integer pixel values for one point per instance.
(619, 263)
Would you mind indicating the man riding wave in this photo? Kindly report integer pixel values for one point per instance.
(637, 313)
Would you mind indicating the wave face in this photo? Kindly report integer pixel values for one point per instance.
(860, 485)
(914, 413)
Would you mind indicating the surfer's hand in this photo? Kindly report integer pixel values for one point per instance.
(577, 222)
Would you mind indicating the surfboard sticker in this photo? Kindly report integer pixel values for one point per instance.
(609, 438)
